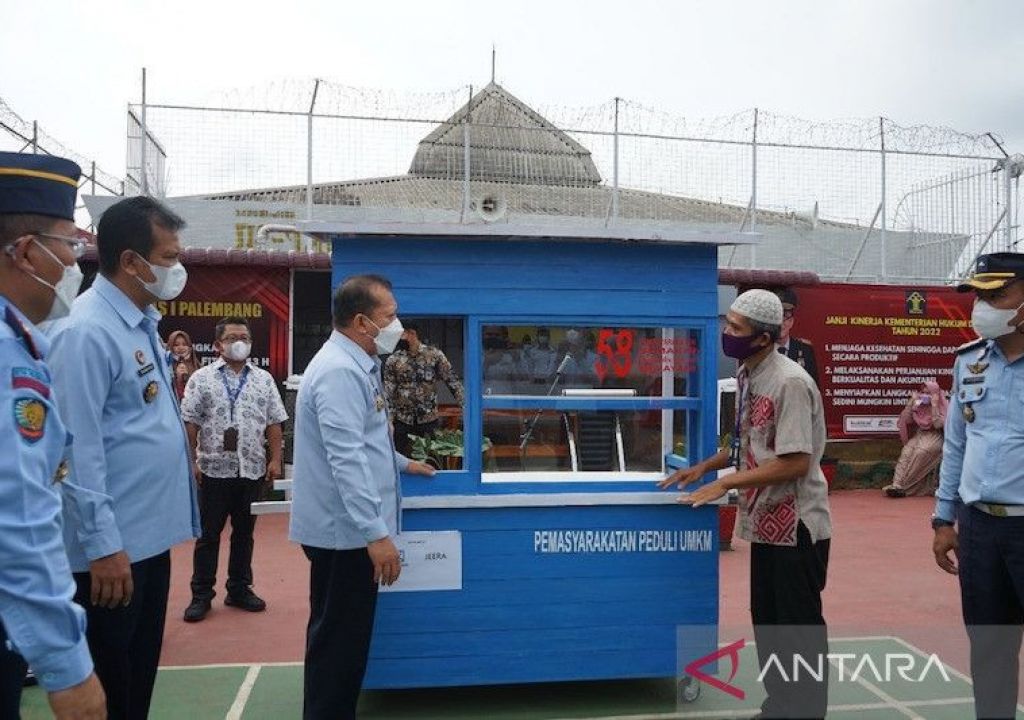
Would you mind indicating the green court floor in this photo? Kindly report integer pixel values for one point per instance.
(274, 691)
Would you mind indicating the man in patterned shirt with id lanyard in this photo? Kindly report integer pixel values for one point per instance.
(784, 512)
(230, 407)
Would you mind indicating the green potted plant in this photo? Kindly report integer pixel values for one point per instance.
(443, 449)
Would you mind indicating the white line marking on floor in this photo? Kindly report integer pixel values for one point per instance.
(238, 706)
(892, 702)
(218, 666)
(952, 670)
(913, 648)
(750, 712)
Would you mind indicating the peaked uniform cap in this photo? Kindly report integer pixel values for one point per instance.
(38, 185)
(993, 271)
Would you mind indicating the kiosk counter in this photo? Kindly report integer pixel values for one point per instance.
(549, 554)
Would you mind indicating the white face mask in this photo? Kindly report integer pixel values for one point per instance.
(66, 289)
(170, 281)
(238, 350)
(388, 336)
(991, 322)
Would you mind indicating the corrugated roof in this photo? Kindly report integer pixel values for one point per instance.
(253, 258)
(322, 261)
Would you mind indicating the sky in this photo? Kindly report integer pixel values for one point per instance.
(74, 65)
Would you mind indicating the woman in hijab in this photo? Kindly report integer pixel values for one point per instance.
(921, 431)
(182, 359)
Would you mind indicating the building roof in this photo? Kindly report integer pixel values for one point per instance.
(251, 258)
(322, 261)
(510, 142)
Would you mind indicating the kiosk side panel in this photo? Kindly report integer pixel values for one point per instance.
(564, 593)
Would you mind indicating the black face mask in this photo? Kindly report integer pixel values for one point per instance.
(402, 345)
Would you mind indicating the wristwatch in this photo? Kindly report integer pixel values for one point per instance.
(938, 522)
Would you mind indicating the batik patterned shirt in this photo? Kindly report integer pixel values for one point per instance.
(410, 383)
(780, 413)
(208, 405)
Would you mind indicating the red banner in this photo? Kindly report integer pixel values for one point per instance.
(258, 295)
(873, 345)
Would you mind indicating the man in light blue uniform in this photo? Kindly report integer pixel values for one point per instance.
(134, 496)
(346, 495)
(38, 280)
(979, 513)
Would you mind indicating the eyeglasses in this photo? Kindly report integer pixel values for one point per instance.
(235, 338)
(77, 245)
(787, 313)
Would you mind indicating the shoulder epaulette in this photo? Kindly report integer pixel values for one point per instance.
(15, 325)
(972, 345)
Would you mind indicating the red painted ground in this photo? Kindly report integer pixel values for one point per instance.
(882, 581)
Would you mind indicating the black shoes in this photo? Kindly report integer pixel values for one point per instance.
(197, 610)
(246, 600)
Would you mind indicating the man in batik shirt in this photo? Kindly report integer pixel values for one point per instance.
(411, 375)
(778, 442)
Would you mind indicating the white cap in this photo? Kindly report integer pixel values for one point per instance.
(760, 306)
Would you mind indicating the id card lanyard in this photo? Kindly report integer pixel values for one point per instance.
(234, 394)
(742, 385)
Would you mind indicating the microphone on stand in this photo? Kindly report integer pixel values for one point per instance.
(528, 432)
(564, 364)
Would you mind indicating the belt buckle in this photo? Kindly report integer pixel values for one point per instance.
(993, 509)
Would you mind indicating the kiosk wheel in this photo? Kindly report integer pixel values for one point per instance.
(688, 689)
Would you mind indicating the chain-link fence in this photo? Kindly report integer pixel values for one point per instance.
(859, 200)
(20, 135)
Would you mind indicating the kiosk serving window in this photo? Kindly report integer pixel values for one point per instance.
(586, 402)
(424, 384)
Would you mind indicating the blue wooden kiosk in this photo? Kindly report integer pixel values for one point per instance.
(565, 572)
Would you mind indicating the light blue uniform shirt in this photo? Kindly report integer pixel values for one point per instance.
(983, 460)
(133, 487)
(41, 621)
(346, 490)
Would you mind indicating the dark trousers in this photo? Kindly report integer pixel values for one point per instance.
(342, 603)
(125, 642)
(220, 498)
(402, 432)
(991, 576)
(785, 605)
(12, 677)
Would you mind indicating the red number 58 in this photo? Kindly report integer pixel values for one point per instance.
(619, 358)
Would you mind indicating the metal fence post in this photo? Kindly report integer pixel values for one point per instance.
(615, 163)
(882, 219)
(753, 190)
(465, 158)
(309, 152)
(142, 152)
(1008, 189)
